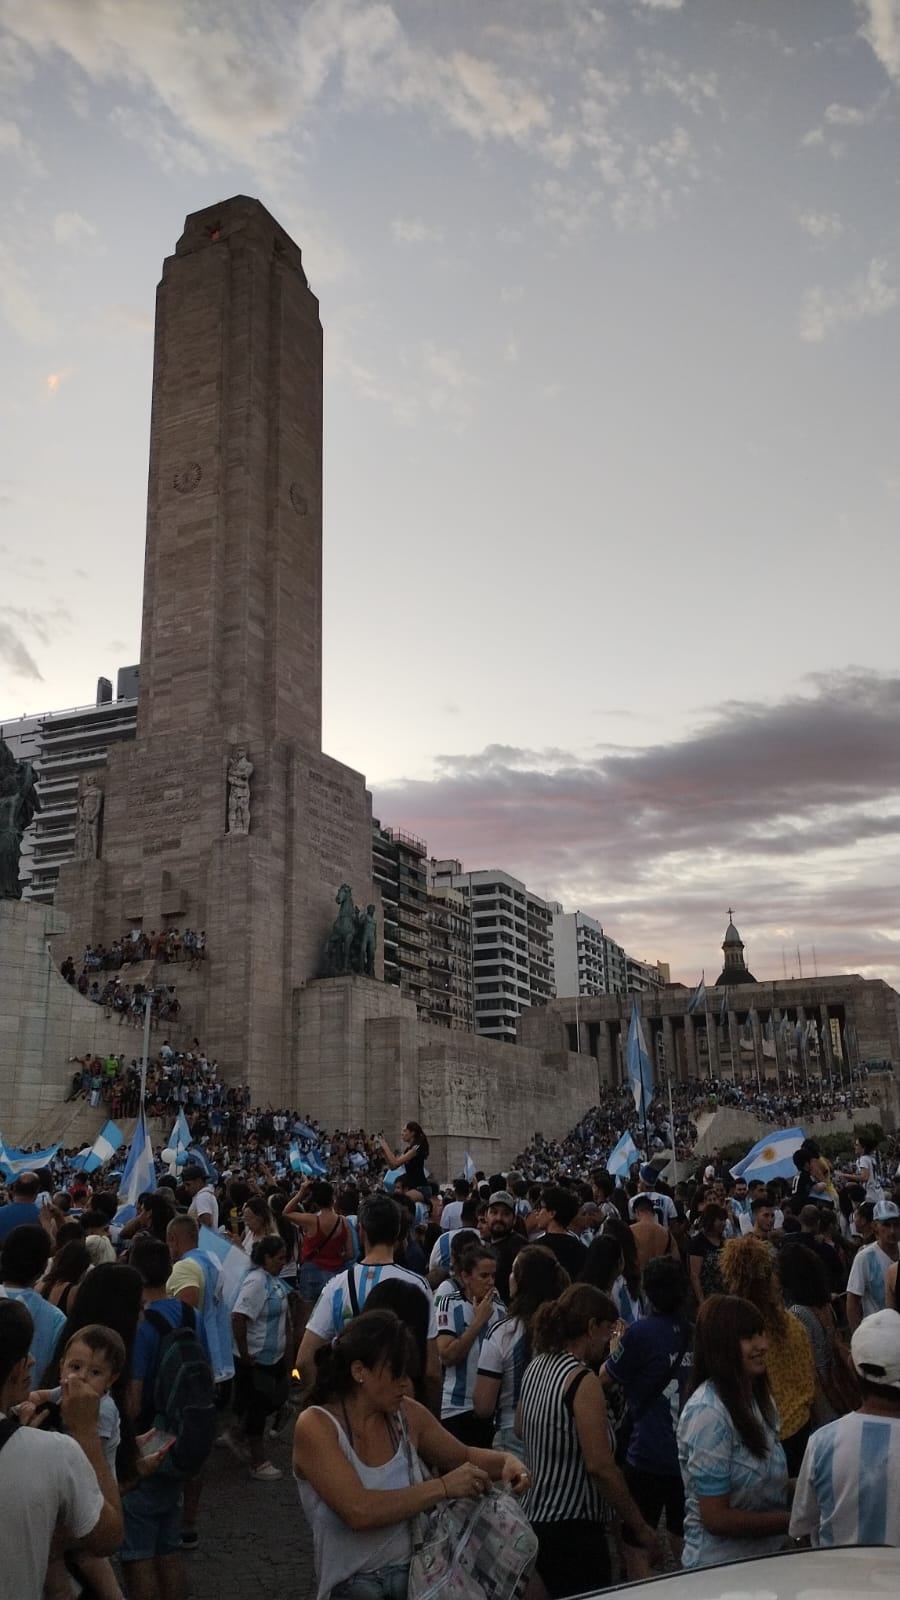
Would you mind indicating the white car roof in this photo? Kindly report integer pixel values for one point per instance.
(860, 1573)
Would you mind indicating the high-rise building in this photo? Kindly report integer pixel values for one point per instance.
(398, 869)
(512, 945)
(449, 958)
(644, 977)
(587, 961)
(65, 746)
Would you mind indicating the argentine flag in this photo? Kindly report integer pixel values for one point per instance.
(698, 998)
(139, 1176)
(180, 1138)
(102, 1150)
(772, 1157)
(197, 1158)
(15, 1162)
(623, 1157)
(469, 1168)
(638, 1065)
(234, 1262)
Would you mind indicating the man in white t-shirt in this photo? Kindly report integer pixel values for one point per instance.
(847, 1487)
(204, 1207)
(48, 1479)
(380, 1224)
(868, 1280)
(451, 1216)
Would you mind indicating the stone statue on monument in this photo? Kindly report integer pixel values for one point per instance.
(363, 954)
(18, 804)
(87, 821)
(336, 961)
(240, 771)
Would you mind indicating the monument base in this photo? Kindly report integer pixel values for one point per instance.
(44, 1022)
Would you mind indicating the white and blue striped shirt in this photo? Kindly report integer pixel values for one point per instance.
(263, 1300)
(868, 1278)
(847, 1491)
(334, 1308)
(454, 1314)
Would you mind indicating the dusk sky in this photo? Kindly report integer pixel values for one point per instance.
(611, 299)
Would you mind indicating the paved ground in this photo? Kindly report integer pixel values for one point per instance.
(254, 1540)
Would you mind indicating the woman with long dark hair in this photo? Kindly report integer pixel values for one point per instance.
(626, 1291)
(359, 1446)
(110, 1295)
(749, 1270)
(535, 1277)
(733, 1467)
(60, 1282)
(412, 1159)
(467, 1311)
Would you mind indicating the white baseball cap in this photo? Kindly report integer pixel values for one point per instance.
(875, 1348)
(886, 1211)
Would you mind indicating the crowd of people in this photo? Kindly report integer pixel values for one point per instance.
(698, 1373)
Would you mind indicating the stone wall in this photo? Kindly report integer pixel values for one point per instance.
(44, 1022)
(362, 1059)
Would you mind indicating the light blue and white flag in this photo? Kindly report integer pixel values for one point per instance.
(698, 998)
(14, 1162)
(296, 1160)
(102, 1150)
(469, 1168)
(771, 1157)
(638, 1064)
(723, 1009)
(139, 1175)
(316, 1164)
(623, 1157)
(180, 1138)
(390, 1178)
(234, 1262)
(783, 1028)
(197, 1158)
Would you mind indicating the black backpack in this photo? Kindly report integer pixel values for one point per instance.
(184, 1396)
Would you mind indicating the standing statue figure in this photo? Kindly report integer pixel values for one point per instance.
(18, 804)
(240, 771)
(337, 957)
(364, 942)
(87, 822)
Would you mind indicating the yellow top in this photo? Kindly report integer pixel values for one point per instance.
(186, 1275)
(792, 1375)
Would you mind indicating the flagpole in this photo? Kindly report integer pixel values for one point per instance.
(709, 1070)
(148, 1006)
(672, 1121)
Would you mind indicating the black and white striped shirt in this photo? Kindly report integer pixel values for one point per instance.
(561, 1488)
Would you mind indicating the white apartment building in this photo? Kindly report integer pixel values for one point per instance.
(512, 945)
(587, 960)
(64, 745)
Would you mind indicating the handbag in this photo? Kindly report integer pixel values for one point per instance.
(479, 1549)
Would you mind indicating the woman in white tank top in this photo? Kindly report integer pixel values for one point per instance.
(363, 1454)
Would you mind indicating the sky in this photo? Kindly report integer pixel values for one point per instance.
(611, 299)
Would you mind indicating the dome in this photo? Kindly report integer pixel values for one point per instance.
(731, 935)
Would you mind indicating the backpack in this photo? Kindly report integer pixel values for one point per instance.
(183, 1394)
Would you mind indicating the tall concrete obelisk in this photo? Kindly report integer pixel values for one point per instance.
(231, 654)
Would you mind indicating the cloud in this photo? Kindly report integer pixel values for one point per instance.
(130, 318)
(14, 653)
(660, 74)
(19, 305)
(872, 294)
(660, 5)
(821, 225)
(845, 116)
(13, 142)
(413, 230)
(792, 804)
(70, 227)
(881, 30)
(170, 151)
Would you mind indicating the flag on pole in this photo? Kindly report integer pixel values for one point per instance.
(723, 1009)
(783, 1028)
(469, 1168)
(771, 1157)
(102, 1150)
(698, 998)
(14, 1162)
(139, 1176)
(197, 1158)
(297, 1162)
(316, 1164)
(623, 1157)
(638, 1065)
(180, 1138)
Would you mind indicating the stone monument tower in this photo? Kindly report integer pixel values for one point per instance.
(224, 815)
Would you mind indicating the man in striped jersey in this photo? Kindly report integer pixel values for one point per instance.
(343, 1298)
(847, 1488)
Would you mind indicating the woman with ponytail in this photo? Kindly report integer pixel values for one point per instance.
(363, 1451)
(576, 1485)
